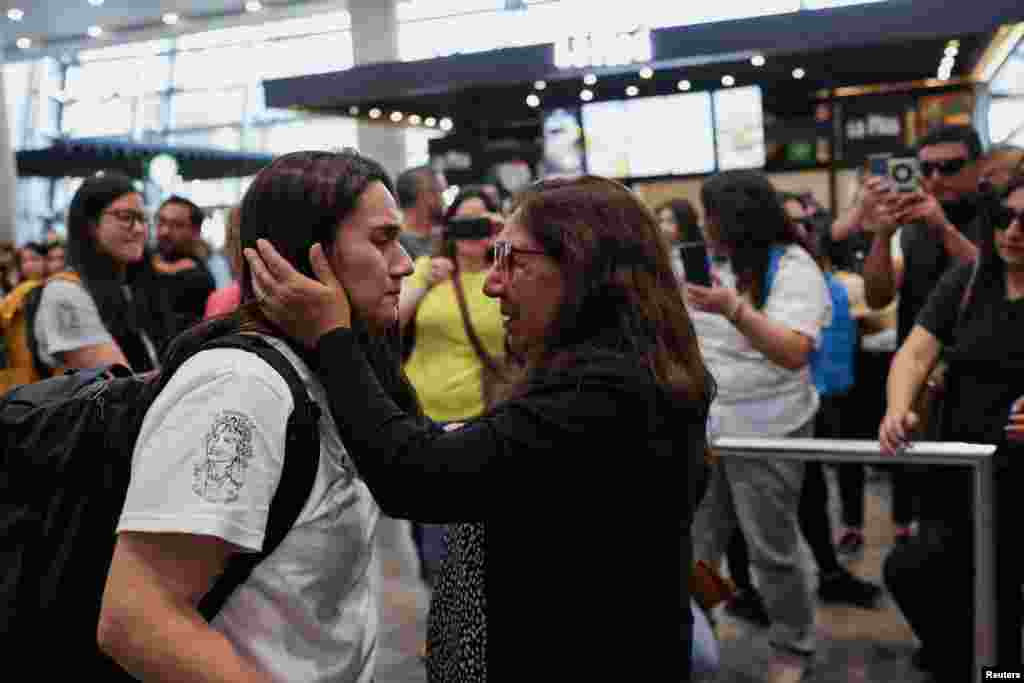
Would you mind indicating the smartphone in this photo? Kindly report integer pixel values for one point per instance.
(469, 229)
(878, 164)
(696, 263)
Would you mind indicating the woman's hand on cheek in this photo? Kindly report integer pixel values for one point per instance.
(304, 308)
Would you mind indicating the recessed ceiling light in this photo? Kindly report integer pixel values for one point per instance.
(646, 72)
(532, 101)
(799, 73)
(95, 3)
(446, 124)
(24, 43)
(95, 31)
(684, 85)
(632, 91)
(171, 18)
(430, 121)
(586, 95)
(590, 79)
(15, 14)
(397, 116)
(415, 119)
(253, 6)
(757, 60)
(539, 85)
(353, 111)
(728, 81)
(375, 113)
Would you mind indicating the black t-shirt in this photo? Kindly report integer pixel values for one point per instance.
(187, 291)
(985, 354)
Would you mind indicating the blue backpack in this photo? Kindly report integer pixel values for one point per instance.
(832, 363)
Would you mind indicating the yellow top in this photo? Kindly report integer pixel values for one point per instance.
(443, 366)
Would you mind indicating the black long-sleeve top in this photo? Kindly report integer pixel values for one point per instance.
(586, 487)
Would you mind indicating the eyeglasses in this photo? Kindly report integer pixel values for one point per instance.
(502, 253)
(128, 218)
(947, 168)
(1003, 217)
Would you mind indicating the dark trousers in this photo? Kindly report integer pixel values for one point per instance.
(936, 567)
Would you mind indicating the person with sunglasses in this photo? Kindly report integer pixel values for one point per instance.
(984, 388)
(606, 425)
(106, 310)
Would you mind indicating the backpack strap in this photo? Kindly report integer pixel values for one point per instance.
(302, 458)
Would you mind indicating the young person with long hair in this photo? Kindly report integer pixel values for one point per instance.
(608, 419)
(757, 329)
(109, 312)
(210, 454)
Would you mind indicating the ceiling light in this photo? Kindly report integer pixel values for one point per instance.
(253, 6)
(532, 101)
(397, 116)
(728, 81)
(375, 113)
(646, 72)
(415, 119)
(171, 18)
(539, 85)
(757, 60)
(586, 95)
(446, 124)
(15, 14)
(799, 73)
(353, 111)
(684, 85)
(24, 43)
(95, 3)
(590, 79)
(632, 91)
(95, 31)
(430, 121)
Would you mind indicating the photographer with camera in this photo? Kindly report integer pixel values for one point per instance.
(458, 331)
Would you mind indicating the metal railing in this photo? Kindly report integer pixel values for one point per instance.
(978, 457)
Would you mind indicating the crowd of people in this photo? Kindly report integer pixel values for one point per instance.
(471, 359)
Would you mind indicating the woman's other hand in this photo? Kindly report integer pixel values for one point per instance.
(304, 308)
(1015, 425)
(718, 300)
(895, 430)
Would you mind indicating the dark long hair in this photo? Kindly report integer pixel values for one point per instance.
(148, 309)
(991, 270)
(295, 202)
(743, 212)
(619, 291)
(686, 218)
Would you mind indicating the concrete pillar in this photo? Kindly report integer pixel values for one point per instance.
(8, 172)
(375, 40)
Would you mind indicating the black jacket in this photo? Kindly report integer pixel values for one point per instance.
(586, 486)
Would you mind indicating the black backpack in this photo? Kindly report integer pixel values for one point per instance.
(65, 464)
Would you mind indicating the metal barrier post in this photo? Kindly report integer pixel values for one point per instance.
(976, 456)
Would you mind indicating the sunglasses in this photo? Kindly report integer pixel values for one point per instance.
(949, 167)
(502, 255)
(1003, 217)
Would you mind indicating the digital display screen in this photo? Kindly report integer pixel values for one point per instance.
(650, 136)
(739, 128)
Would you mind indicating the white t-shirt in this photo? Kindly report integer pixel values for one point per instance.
(68, 320)
(757, 397)
(208, 460)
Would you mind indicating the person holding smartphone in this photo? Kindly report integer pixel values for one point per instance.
(458, 333)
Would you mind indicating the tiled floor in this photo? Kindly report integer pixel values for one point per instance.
(856, 646)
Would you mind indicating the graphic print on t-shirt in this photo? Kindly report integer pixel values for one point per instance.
(68, 322)
(219, 472)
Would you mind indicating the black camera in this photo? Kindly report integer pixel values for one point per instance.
(468, 229)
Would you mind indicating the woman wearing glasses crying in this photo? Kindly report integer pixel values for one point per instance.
(102, 310)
